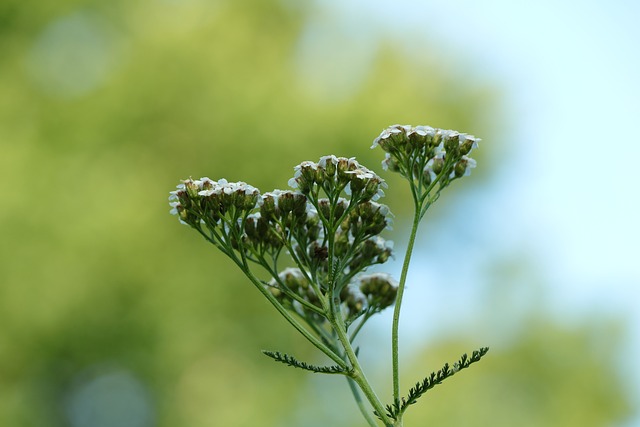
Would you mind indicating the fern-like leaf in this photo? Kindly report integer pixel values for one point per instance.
(292, 361)
(400, 406)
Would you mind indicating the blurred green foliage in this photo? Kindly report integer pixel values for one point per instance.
(104, 107)
(550, 375)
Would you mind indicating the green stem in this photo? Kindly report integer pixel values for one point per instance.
(357, 373)
(363, 409)
(398, 305)
(283, 311)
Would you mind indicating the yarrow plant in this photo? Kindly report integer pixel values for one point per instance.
(329, 228)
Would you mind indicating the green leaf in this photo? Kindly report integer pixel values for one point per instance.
(400, 406)
(292, 361)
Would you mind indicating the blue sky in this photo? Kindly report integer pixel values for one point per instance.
(569, 72)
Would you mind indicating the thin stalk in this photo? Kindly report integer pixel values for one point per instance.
(398, 305)
(363, 320)
(363, 408)
(283, 311)
(357, 373)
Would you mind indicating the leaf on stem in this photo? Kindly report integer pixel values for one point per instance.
(292, 361)
(399, 407)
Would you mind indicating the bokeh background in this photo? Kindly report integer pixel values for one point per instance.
(113, 314)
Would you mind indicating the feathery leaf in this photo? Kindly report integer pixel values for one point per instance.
(292, 361)
(400, 406)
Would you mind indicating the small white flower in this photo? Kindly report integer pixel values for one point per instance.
(424, 130)
(324, 159)
(391, 130)
(362, 173)
(174, 208)
(474, 140)
(311, 210)
(229, 188)
(387, 160)
(448, 133)
(471, 163)
(305, 164)
(250, 189)
(381, 277)
(383, 209)
(352, 163)
(275, 195)
(290, 271)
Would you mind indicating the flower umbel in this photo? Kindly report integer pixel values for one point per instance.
(429, 158)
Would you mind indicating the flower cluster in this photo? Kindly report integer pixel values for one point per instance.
(329, 225)
(336, 174)
(341, 193)
(380, 289)
(205, 201)
(425, 155)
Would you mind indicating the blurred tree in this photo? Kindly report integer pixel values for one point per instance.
(105, 106)
(549, 375)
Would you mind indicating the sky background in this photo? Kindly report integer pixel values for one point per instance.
(568, 73)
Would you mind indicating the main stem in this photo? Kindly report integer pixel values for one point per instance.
(396, 310)
(361, 405)
(357, 373)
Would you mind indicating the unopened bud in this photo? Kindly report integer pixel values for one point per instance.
(192, 188)
(426, 176)
(280, 296)
(438, 165)
(268, 208)
(250, 200)
(285, 202)
(468, 144)
(341, 207)
(251, 228)
(342, 167)
(324, 208)
(380, 289)
(328, 165)
(299, 206)
(451, 143)
(464, 166)
(182, 213)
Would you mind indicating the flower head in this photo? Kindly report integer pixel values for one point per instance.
(210, 201)
(380, 289)
(424, 155)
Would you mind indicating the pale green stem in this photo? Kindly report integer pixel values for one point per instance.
(308, 335)
(363, 408)
(357, 372)
(398, 305)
